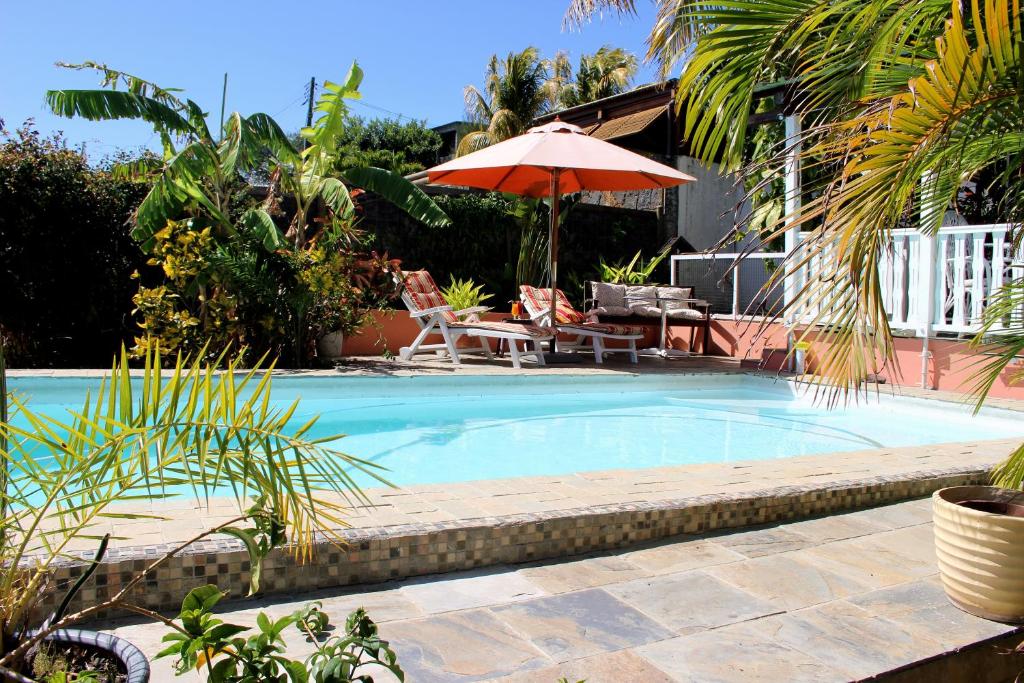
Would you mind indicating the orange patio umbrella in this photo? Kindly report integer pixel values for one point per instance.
(551, 160)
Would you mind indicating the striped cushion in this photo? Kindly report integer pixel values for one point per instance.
(538, 300)
(513, 328)
(606, 328)
(424, 293)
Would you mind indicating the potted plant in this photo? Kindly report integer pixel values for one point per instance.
(979, 545)
(343, 288)
(466, 297)
(188, 429)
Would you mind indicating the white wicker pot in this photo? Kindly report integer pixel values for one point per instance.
(330, 346)
(981, 554)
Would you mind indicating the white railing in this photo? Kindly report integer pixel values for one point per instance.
(728, 287)
(943, 282)
(931, 283)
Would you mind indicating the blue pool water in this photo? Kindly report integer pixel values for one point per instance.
(446, 429)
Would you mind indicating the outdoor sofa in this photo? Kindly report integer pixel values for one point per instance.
(651, 304)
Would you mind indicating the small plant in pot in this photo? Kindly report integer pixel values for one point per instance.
(466, 299)
(65, 480)
(343, 288)
(202, 642)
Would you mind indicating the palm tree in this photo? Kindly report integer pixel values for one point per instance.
(607, 72)
(516, 91)
(904, 101)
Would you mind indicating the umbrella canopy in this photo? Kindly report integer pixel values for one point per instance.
(549, 161)
(524, 165)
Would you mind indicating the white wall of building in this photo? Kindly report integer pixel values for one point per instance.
(703, 203)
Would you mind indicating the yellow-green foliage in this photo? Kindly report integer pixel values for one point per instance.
(463, 294)
(168, 316)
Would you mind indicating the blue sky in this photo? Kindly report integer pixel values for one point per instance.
(417, 56)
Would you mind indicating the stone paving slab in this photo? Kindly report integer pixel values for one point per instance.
(831, 609)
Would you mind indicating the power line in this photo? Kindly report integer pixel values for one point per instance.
(396, 114)
(297, 100)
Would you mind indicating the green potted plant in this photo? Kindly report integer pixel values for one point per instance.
(154, 436)
(465, 295)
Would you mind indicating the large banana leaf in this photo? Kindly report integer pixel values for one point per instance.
(182, 182)
(105, 105)
(399, 192)
(266, 131)
(262, 226)
(333, 110)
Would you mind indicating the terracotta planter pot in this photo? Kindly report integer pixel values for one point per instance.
(979, 544)
(330, 346)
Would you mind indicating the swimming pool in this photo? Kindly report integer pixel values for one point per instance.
(431, 429)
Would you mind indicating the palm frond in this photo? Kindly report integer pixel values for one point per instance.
(914, 148)
(580, 12)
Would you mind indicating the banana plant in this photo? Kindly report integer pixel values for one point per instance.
(311, 173)
(197, 173)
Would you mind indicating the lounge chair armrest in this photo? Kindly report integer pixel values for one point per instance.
(473, 309)
(430, 311)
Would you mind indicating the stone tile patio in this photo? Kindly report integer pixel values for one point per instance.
(830, 599)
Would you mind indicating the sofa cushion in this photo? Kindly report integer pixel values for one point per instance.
(678, 293)
(685, 314)
(609, 295)
(617, 311)
(646, 311)
(640, 298)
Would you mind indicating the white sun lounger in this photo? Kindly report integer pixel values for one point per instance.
(431, 311)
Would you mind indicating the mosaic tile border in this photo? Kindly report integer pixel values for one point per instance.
(374, 555)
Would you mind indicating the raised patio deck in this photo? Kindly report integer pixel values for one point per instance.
(836, 598)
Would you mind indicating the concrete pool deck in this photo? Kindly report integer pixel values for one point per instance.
(836, 598)
(418, 530)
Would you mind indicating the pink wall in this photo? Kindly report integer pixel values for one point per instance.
(949, 369)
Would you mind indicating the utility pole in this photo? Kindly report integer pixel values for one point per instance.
(309, 106)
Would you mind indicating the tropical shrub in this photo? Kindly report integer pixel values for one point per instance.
(190, 431)
(401, 148)
(242, 281)
(66, 253)
(204, 642)
(193, 308)
(636, 272)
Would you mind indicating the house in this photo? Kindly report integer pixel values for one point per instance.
(644, 120)
(451, 133)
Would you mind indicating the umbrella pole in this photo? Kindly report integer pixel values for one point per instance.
(553, 253)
